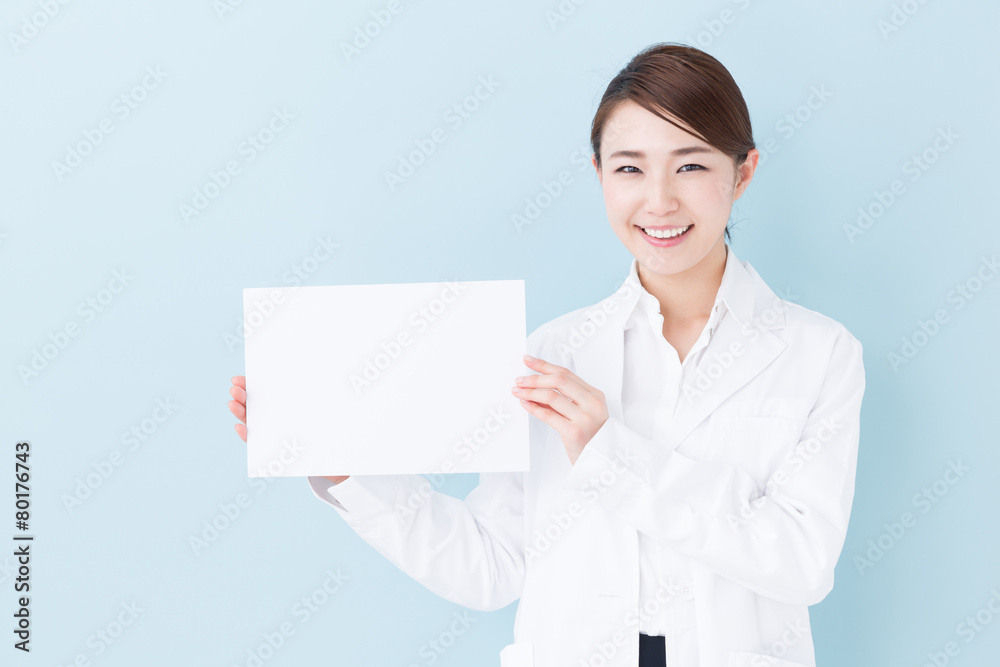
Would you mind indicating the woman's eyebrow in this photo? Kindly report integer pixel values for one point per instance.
(639, 155)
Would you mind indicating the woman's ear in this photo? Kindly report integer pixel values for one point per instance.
(745, 172)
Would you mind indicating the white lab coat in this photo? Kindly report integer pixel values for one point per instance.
(774, 420)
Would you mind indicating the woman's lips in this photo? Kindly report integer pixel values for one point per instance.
(667, 242)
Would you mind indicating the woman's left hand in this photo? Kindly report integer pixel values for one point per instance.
(575, 409)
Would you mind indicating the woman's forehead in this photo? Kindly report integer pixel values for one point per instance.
(637, 129)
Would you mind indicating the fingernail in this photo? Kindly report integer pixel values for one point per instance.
(528, 358)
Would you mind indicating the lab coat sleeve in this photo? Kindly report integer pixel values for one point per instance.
(469, 551)
(783, 543)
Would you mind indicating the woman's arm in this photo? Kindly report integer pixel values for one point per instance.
(783, 544)
(470, 551)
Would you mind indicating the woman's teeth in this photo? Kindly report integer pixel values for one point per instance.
(665, 233)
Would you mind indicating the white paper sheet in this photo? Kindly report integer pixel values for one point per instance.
(385, 379)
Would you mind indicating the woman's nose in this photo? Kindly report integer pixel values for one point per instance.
(661, 197)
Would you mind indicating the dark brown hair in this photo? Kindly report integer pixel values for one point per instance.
(688, 84)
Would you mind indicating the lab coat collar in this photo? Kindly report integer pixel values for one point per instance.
(735, 294)
(742, 346)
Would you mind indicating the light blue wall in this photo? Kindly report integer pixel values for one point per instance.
(63, 237)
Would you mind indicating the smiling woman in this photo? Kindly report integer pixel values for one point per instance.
(659, 199)
(693, 451)
(673, 149)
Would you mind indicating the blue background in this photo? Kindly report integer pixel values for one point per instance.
(168, 334)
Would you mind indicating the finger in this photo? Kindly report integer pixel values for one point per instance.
(239, 394)
(547, 368)
(545, 414)
(561, 380)
(241, 431)
(553, 400)
(239, 410)
(240, 381)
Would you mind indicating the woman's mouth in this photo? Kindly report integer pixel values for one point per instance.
(664, 238)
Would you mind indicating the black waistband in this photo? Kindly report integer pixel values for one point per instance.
(652, 650)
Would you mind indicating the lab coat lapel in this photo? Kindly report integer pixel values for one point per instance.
(600, 360)
(721, 373)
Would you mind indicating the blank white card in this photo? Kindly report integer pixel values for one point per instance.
(385, 379)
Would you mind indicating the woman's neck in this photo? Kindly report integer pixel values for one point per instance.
(688, 297)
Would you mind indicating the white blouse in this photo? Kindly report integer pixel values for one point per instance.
(651, 396)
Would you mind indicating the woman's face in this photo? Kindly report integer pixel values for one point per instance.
(656, 176)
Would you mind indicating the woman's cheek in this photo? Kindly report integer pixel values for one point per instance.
(721, 193)
(617, 205)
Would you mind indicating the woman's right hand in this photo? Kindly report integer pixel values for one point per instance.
(238, 406)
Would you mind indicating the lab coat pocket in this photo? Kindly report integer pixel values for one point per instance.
(761, 424)
(517, 655)
(751, 442)
(747, 659)
(756, 444)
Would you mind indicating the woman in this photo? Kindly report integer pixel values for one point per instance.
(700, 497)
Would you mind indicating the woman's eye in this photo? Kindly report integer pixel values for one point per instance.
(629, 169)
